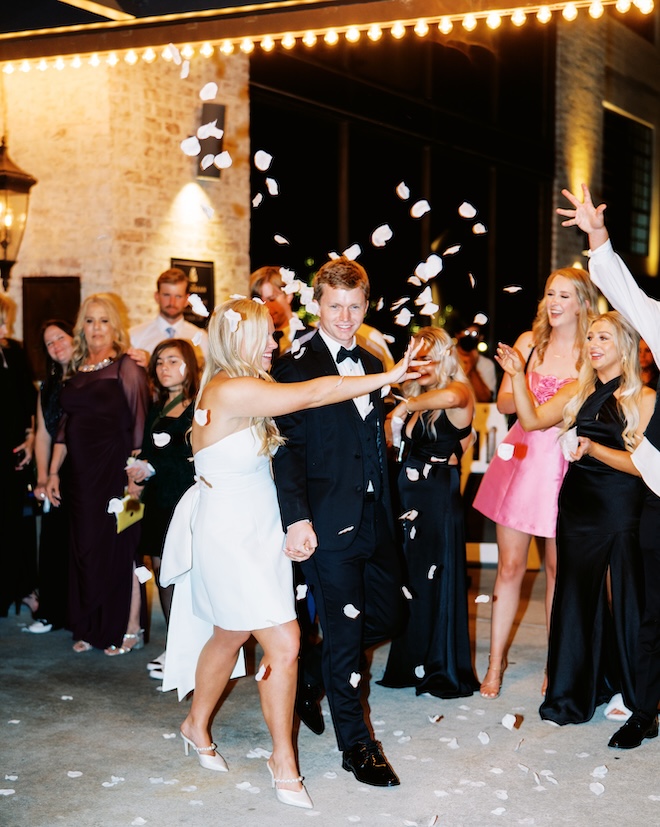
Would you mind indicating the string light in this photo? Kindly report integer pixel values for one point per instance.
(374, 31)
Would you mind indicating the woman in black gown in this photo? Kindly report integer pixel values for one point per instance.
(434, 653)
(596, 610)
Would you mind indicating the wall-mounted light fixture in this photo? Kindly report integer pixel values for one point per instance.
(15, 186)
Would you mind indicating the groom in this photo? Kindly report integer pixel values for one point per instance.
(331, 478)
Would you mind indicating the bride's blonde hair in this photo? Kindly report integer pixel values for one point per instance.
(238, 335)
(626, 340)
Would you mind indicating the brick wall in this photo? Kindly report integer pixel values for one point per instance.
(116, 197)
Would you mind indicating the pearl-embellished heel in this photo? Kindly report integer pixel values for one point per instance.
(294, 798)
(209, 762)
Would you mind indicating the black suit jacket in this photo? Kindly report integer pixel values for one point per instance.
(319, 472)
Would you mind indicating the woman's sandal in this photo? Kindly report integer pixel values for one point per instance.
(126, 645)
(81, 646)
(491, 688)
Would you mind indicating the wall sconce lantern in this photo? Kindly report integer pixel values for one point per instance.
(15, 188)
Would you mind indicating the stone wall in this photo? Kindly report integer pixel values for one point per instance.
(116, 197)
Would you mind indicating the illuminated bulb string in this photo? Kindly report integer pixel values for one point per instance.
(398, 29)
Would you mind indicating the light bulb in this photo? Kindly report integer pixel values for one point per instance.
(445, 25)
(518, 17)
(375, 32)
(469, 22)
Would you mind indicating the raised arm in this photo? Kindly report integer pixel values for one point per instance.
(531, 418)
(455, 395)
(589, 218)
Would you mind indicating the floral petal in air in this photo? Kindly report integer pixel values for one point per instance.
(412, 474)
(406, 593)
(480, 319)
(389, 338)
(174, 53)
(208, 91)
(301, 591)
(198, 308)
(223, 160)
(430, 574)
(403, 317)
(451, 251)
(262, 160)
(234, 320)
(272, 186)
(512, 288)
(414, 280)
(352, 252)
(355, 679)
(74, 773)
(597, 788)
(350, 611)
(429, 309)
(509, 721)
(191, 146)
(433, 266)
(467, 210)
(473, 281)
(479, 229)
(402, 191)
(185, 69)
(347, 529)
(258, 198)
(420, 208)
(261, 672)
(409, 515)
(483, 737)
(115, 506)
(280, 239)
(201, 416)
(207, 130)
(425, 296)
(482, 598)
(207, 161)
(161, 439)
(381, 235)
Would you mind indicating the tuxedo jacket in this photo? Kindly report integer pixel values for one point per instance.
(320, 470)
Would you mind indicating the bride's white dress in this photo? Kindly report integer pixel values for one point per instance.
(224, 552)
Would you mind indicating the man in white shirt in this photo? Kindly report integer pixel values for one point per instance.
(172, 295)
(612, 277)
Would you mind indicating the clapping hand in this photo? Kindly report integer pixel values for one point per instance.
(585, 215)
(509, 359)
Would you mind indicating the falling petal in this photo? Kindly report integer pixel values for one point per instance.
(306, 294)
(234, 320)
(385, 390)
(209, 91)
(480, 319)
(332, 255)
(403, 317)
(497, 771)
(420, 671)
(484, 737)
(139, 821)
(413, 532)
(451, 251)
(482, 598)
(157, 780)
(7, 792)
(261, 672)
(262, 160)
(430, 574)
(402, 191)
(258, 198)
(354, 819)
(432, 821)
(208, 211)
(389, 339)
(473, 281)
(174, 53)
(350, 611)
(352, 252)
(435, 718)
(597, 788)
(292, 287)
(414, 280)
(582, 755)
(429, 309)
(115, 506)
(69, 697)
(198, 307)
(14, 721)
(509, 721)
(299, 353)
(185, 71)
(347, 529)
(355, 679)
(409, 515)
(301, 591)
(399, 302)
(279, 239)
(424, 297)
(466, 210)
(243, 785)
(11, 778)
(426, 470)
(412, 474)
(406, 593)
(272, 186)
(381, 235)
(440, 793)
(169, 735)
(512, 288)
(420, 208)
(223, 160)
(433, 266)
(162, 439)
(201, 416)
(523, 768)
(379, 304)
(498, 811)
(74, 773)
(479, 229)
(207, 161)
(191, 146)
(143, 574)
(505, 451)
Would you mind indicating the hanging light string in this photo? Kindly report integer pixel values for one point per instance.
(398, 29)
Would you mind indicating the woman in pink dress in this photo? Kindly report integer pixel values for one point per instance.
(520, 489)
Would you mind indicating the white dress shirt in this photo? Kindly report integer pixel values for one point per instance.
(349, 368)
(146, 336)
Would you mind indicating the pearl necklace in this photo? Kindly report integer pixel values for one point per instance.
(102, 364)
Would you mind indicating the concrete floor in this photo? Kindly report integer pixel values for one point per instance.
(89, 741)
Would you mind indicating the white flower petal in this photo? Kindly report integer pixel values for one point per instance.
(69, 697)
(413, 532)
(272, 186)
(207, 161)
(467, 210)
(258, 198)
(480, 319)
(352, 252)
(505, 451)
(473, 281)
(498, 811)
(433, 265)
(425, 296)
(403, 317)
(201, 416)
(74, 773)
(409, 515)
(280, 239)
(355, 679)
(512, 288)
(429, 309)
(430, 574)
(198, 308)
(412, 474)
(509, 721)
(301, 591)
(420, 671)
(262, 160)
(347, 529)
(395, 305)
(174, 53)
(209, 130)
(453, 744)
(350, 611)
(501, 794)
(161, 439)
(402, 191)
(406, 593)
(261, 672)
(414, 280)
(191, 146)
(115, 506)
(234, 320)
(600, 772)
(208, 91)
(484, 737)
(597, 788)
(169, 735)
(479, 229)
(138, 822)
(420, 208)
(482, 598)
(223, 160)
(381, 235)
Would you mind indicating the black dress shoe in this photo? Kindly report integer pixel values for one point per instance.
(634, 731)
(369, 765)
(309, 708)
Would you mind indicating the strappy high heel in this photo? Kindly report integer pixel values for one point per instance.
(295, 798)
(138, 637)
(209, 762)
(491, 688)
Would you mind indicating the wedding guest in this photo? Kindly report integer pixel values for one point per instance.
(334, 497)
(434, 653)
(17, 410)
(104, 404)
(520, 488)
(172, 296)
(267, 284)
(225, 548)
(164, 470)
(648, 368)
(613, 277)
(479, 369)
(57, 340)
(596, 610)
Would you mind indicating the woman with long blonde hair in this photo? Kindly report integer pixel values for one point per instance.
(596, 610)
(234, 578)
(520, 488)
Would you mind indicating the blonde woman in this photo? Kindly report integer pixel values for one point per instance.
(434, 653)
(596, 610)
(519, 490)
(237, 580)
(104, 402)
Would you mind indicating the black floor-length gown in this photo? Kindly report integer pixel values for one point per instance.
(591, 654)
(434, 653)
(103, 422)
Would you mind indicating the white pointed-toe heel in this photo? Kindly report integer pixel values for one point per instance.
(209, 762)
(295, 798)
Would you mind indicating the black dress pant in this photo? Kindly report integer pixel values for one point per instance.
(647, 676)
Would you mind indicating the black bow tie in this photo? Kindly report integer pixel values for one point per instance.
(344, 353)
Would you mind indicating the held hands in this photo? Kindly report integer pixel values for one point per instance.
(586, 216)
(300, 542)
(509, 360)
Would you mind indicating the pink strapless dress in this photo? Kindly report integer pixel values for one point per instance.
(520, 488)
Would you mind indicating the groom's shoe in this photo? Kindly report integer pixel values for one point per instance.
(308, 707)
(634, 731)
(369, 765)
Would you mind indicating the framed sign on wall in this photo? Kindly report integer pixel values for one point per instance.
(201, 275)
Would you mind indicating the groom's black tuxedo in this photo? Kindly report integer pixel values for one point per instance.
(331, 457)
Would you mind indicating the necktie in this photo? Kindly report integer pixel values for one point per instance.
(170, 332)
(348, 354)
